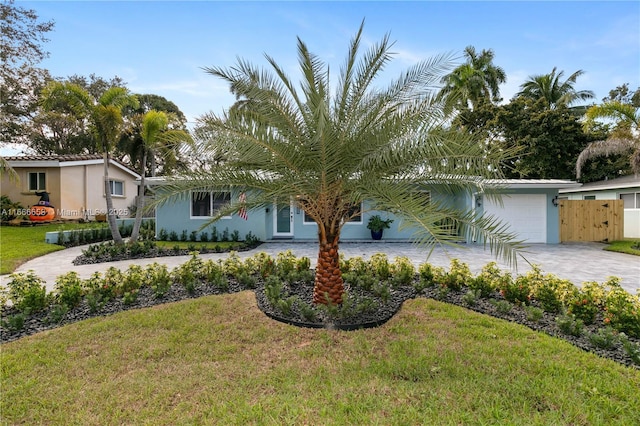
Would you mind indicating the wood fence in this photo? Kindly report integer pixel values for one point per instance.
(591, 220)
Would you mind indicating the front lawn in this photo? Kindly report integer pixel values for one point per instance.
(629, 246)
(220, 360)
(19, 244)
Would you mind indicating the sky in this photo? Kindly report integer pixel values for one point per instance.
(161, 47)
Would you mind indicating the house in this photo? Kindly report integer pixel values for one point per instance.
(75, 184)
(528, 206)
(626, 188)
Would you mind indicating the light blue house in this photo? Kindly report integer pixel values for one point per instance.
(528, 207)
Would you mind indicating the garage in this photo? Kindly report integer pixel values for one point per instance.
(526, 215)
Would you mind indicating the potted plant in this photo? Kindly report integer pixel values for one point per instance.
(377, 225)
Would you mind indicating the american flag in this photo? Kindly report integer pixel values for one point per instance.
(243, 211)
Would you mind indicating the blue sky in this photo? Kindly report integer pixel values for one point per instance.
(160, 47)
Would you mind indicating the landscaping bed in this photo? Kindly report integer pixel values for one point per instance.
(375, 291)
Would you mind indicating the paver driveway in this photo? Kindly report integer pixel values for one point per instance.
(577, 262)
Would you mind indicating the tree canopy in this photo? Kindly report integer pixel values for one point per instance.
(327, 146)
(23, 36)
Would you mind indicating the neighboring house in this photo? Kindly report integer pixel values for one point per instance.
(626, 188)
(527, 206)
(75, 184)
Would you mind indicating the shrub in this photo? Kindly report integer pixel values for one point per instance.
(163, 235)
(14, 322)
(604, 338)
(204, 237)
(69, 289)
(233, 266)
(515, 291)
(9, 209)
(402, 270)
(158, 278)
(533, 313)
(632, 349)
(429, 275)
(286, 263)
(622, 310)
(457, 276)
(471, 297)
(173, 236)
(28, 292)
(569, 324)
(502, 306)
(57, 313)
(379, 265)
(183, 235)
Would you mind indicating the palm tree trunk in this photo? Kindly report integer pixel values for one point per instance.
(111, 219)
(329, 286)
(140, 200)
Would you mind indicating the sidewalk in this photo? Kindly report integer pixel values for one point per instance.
(577, 262)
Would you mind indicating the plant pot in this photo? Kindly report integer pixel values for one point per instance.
(376, 235)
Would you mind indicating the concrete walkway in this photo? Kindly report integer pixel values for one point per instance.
(577, 262)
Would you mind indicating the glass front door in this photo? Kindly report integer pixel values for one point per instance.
(283, 220)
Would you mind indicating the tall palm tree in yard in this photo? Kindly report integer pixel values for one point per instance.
(625, 137)
(554, 91)
(103, 116)
(327, 147)
(155, 134)
(475, 81)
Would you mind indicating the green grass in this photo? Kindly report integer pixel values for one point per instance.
(219, 360)
(624, 246)
(19, 244)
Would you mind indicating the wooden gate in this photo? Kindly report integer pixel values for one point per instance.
(591, 220)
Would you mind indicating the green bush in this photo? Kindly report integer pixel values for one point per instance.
(622, 310)
(517, 291)
(9, 209)
(28, 292)
(569, 324)
(403, 271)
(69, 289)
(604, 338)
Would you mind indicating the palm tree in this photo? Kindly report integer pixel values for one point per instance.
(475, 81)
(5, 167)
(327, 147)
(104, 117)
(624, 137)
(155, 133)
(554, 92)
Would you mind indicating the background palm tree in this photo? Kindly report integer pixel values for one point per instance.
(553, 91)
(329, 147)
(624, 138)
(104, 116)
(155, 133)
(475, 81)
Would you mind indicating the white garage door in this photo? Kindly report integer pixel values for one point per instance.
(526, 215)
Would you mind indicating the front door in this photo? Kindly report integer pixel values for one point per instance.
(283, 220)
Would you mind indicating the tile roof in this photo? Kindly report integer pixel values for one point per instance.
(76, 157)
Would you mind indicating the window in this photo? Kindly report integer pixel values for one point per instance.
(354, 214)
(37, 181)
(589, 197)
(117, 187)
(203, 204)
(631, 200)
